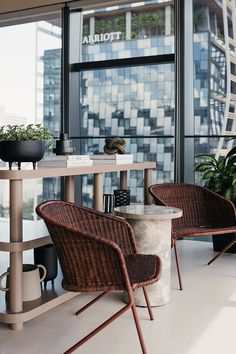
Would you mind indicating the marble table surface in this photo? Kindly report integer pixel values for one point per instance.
(148, 212)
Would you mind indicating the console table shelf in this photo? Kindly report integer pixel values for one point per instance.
(51, 297)
(20, 312)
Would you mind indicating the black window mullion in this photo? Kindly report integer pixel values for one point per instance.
(145, 60)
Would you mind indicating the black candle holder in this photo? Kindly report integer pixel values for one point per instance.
(108, 202)
(121, 197)
(63, 145)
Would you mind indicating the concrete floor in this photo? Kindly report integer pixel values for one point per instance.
(198, 320)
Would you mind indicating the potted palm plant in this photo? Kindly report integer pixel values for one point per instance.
(24, 143)
(219, 175)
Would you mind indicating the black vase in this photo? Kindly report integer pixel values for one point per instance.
(108, 201)
(22, 151)
(46, 255)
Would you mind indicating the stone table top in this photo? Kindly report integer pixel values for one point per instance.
(148, 212)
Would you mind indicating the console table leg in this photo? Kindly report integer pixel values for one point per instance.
(70, 189)
(147, 183)
(98, 191)
(123, 180)
(15, 295)
(16, 326)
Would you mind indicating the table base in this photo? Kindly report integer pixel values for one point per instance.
(154, 238)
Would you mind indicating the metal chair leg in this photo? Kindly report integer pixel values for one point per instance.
(148, 303)
(222, 251)
(177, 265)
(138, 327)
(91, 303)
(98, 329)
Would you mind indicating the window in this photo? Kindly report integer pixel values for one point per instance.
(30, 70)
(212, 123)
(126, 98)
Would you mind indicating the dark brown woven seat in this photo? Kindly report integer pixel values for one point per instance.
(204, 213)
(97, 252)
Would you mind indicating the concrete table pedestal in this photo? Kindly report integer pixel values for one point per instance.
(152, 229)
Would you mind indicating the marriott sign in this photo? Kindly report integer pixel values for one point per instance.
(103, 37)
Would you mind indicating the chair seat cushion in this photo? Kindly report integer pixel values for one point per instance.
(143, 269)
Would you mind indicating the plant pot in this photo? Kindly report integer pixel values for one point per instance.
(221, 241)
(22, 151)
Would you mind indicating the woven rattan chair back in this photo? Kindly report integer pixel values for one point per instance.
(201, 207)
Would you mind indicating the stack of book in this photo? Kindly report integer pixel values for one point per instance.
(118, 159)
(65, 161)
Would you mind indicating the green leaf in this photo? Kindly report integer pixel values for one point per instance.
(231, 152)
(231, 160)
(206, 156)
(229, 193)
(26, 132)
(207, 175)
(203, 167)
(221, 163)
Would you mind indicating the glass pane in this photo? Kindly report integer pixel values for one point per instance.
(214, 69)
(160, 150)
(30, 71)
(213, 94)
(126, 31)
(128, 101)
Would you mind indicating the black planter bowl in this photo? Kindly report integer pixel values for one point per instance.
(22, 151)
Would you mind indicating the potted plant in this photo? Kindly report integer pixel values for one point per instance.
(24, 143)
(220, 176)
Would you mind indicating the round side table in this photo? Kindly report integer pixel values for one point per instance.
(152, 229)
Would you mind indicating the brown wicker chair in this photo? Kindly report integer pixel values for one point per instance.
(204, 213)
(97, 252)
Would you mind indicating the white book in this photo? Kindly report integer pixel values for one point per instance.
(112, 162)
(112, 157)
(64, 163)
(66, 157)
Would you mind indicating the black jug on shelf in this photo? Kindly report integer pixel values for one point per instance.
(46, 255)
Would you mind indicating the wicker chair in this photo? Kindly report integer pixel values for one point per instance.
(97, 252)
(204, 213)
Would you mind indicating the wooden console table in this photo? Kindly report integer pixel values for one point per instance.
(17, 313)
